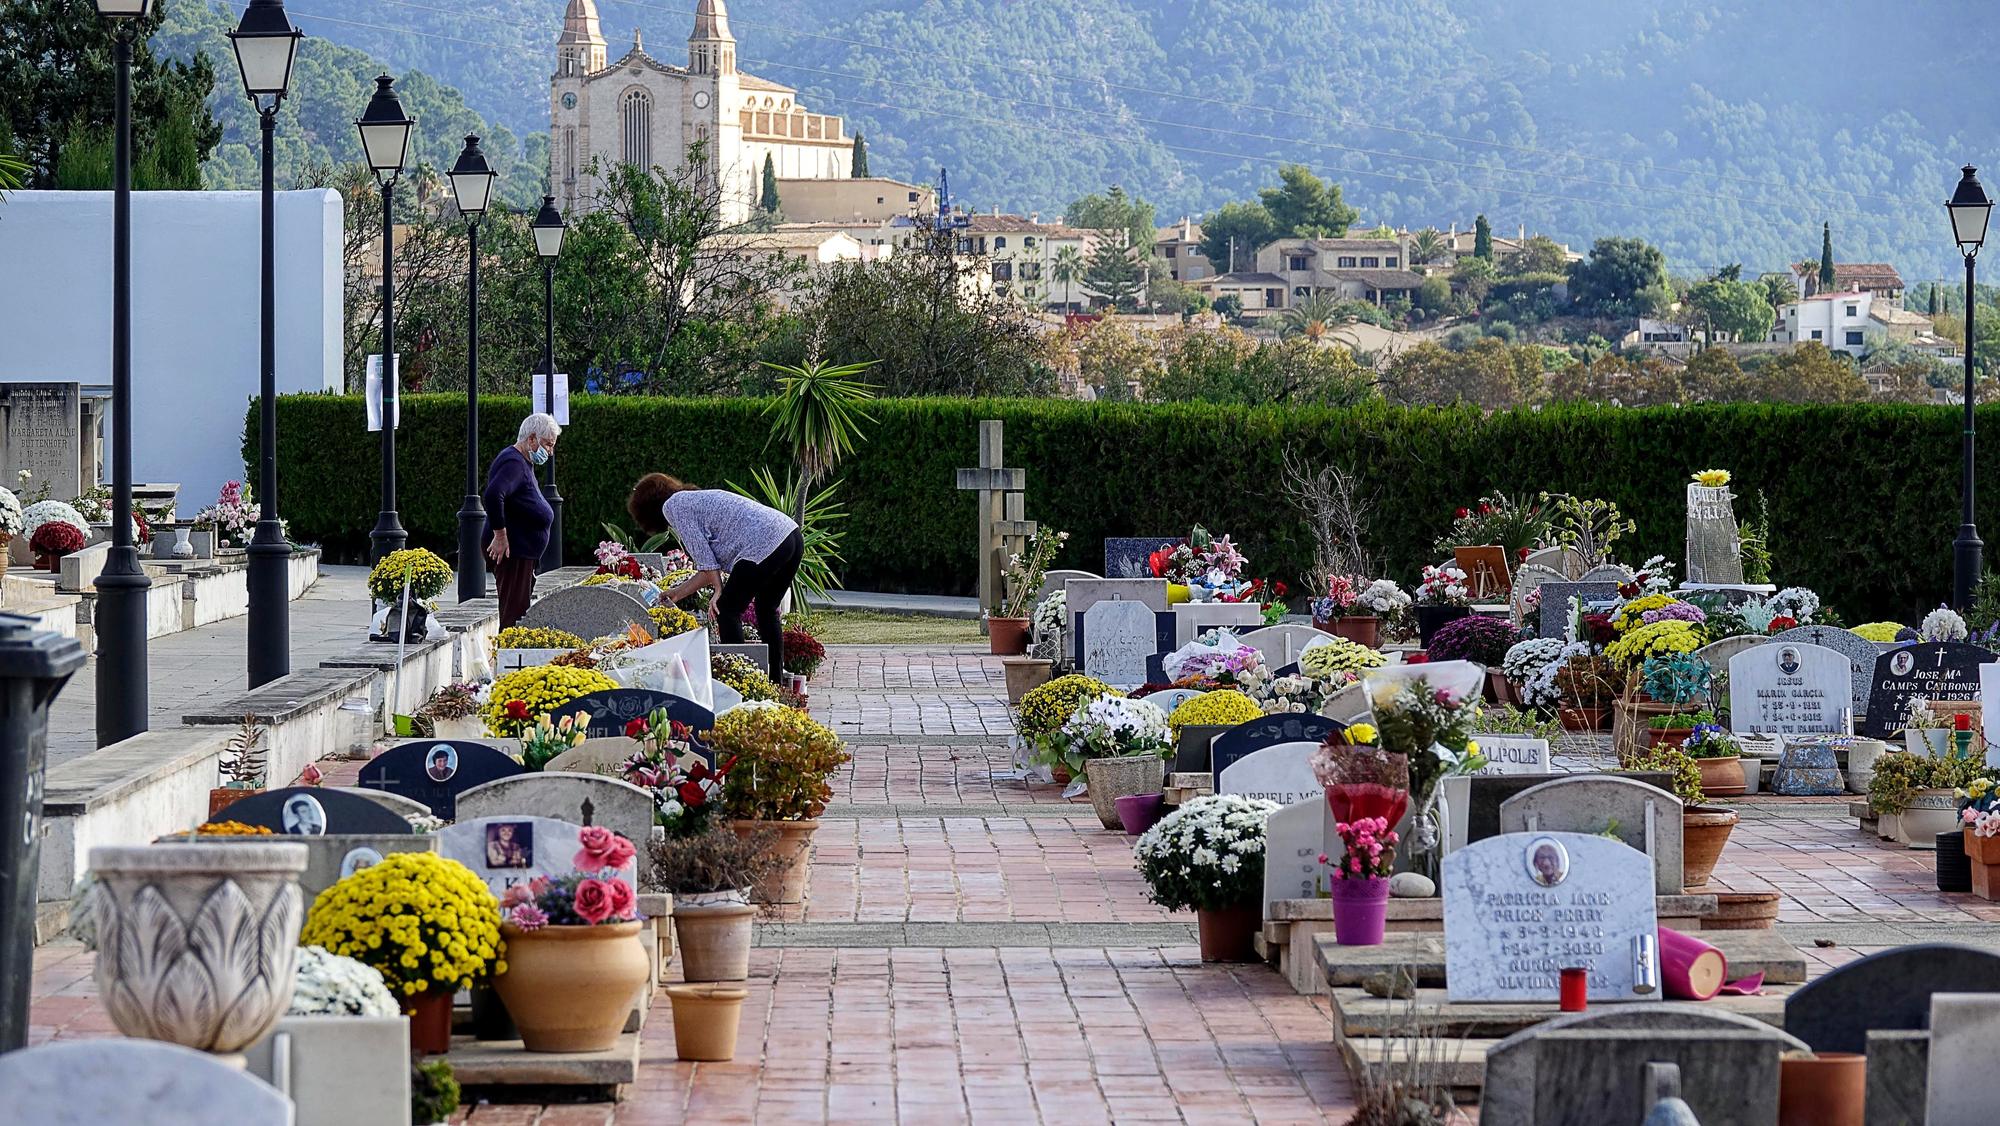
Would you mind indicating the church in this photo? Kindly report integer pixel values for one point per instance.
(645, 112)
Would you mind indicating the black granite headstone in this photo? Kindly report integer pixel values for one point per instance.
(1268, 731)
(312, 811)
(1129, 557)
(613, 708)
(1887, 990)
(1935, 670)
(436, 771)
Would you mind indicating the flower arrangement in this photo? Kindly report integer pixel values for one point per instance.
(1588, 527)
(427, 573)
(1301, 693)
(1658, 639)
(1499, 520)
(741, 674)
(1371, 849)
(1477, 638)
(671, 621)
(1351, 597)
(685, 798)
(1633, 614)
(11, 521)
(1943, 624)
(545, 738)
(1215, 663)
(1796, 603)
(1655, 576)
(1045, 708)
(1429, 725)
(1711, 478)
(56, 537)
(781, 758)
(1025, 572)
(1443, 586)
(1222, 708)
(1108, 727)
(1900, 774)
(1881, 633)
(332, 985)
(1268, 594)
(422, 921)
(232, 515)
(536, 637)
(1711, 740)
(44, 511)
(1050, 628)
(1201, 560)
(803, 652)
(1207, 855)
(1532, 665)
(580, 899)
(520, 697)
(1337, 656)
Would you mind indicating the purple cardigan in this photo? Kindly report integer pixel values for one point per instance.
(514, 505)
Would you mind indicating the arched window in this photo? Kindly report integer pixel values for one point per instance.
(636, 118)
(999, 242)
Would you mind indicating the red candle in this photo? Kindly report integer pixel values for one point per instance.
(1575, 989)
(1961, 721)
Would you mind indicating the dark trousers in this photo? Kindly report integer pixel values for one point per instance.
(515, 576)
(763, 583)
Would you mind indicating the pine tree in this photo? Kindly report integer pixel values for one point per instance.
(769, 203)
(1826, 258)
(860, 167)
(1482, 239)
(1113, 275)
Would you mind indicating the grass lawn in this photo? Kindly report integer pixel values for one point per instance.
(869, 627)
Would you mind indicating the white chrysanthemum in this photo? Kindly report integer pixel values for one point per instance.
(1943, 624)
(43, 511)
(332, 985)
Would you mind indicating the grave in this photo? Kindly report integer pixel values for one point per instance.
(1717, 655)
(1003, 527)
(512, 849)
(1130, 557)
(588, 611)
(611, 709)
(1898, 1073)
(1520, 907)
(755, 652)
(397, 804)
(1714, 551)
(313, 811)
(601, 755)
(1935, 670)
(1528, 578)
(1295, 837)
(1282, 644)
(318, 1058)
(1964, 1029)
(1191, 752)
(1565, 562)
(1512, 754)
(1887, 990)
(91, 1082)
(1859, 651)
(581, 799)
(1085, 593)
(1170, 698)
(1794, 688)
(1192, 619)
(1117, 638)
(1058, 579)
(1281, 773)
(1555, 609)
(436, 771)
(1614, 573)
(1238, 742)
(52, 431)
(1645, 818)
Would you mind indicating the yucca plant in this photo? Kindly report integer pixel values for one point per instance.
(817, 517)
(243, 756)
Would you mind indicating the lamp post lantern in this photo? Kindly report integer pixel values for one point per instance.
(385, 140)
(1969, 209)
(120, 618)
(549, 230)
(265, 43)
(472, 184)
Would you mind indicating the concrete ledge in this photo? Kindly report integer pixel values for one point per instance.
(300, 712)
(128, 793)
(426, 666)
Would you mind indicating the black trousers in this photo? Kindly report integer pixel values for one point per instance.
(764, 584)
(515, 576)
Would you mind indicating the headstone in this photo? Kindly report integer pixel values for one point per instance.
(436, 771)
(91, 1082)
(602, 755)
(1528, 578)
(397, 804)
(1295, 837)
(1191, 750)
(1643, 817)
(1129, 557)
(1118, 637)
(1890, 989)
(1608, 572)
(1899, 1064)
(756, 652)
(1282, 644)
(512, 849)
(1249, 737)
(1859, 651)
(43, 434)
(581, 799)
(1085, 593)
(588, 611)
(1056, 580)
(322, 1055)
(1555, 610)
(1282, 773)
(1192, 619)
(1521, 907)
(1350, 705)
(1513, 754)
(312, 811)
(1714, 553)
(1790, 688)
(1935, 670)
(611, 709)
(1965, 1027)
(1170, 698)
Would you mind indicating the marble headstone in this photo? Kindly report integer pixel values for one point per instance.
(91, 1082)
(1555, 609)
(1129, 557)
(1935, 670)
(1790, 688)
(1281, 773)
(1521, 907)
(1082, 594)
(602, 755)
(1513, 754)
(43, 434)
(1282, 644)
(1964, 1029)
(588, 611)
(1859, 651)
(1645, 818)
(1890, 989)
(313, 811)
(1254, 735)
(581, 799)
(1191, 619)
(613, 708)
(1295, 837)
(513, 849)
(1117, 638)
(1608, 572)
(1056, 580)
(436, 771)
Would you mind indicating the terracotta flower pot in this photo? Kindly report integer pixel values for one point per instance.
(1825, 1089)
(714, 941)
(1362, 629)
(706, 1019)
(787, 882)
(1705, 830)
(1007, 637)
(1743, 911)
(1581, 717)
(430, 1021)
(569, 989)
(1025, 674)
(1226, 934)
(1114, 778)
(222, 797)
(1721, 777)
(1500, 690)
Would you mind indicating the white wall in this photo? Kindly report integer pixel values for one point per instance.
(195, 302)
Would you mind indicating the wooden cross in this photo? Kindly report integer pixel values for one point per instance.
(1002, 529)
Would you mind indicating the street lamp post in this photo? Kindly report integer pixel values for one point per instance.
(266, 43)
(549, 229)
(385, 139)
(1969, 209)
(472, 184)
(120, 618)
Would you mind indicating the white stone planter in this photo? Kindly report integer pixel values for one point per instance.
(1861, 756)
(1931, 812)
(197, 944)
(471, 727)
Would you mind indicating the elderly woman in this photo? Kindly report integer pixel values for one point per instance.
(758, 546)
(517, 518)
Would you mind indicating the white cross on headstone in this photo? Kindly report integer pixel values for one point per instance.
(1002, 528)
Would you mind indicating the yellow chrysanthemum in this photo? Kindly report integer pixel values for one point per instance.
(1712, 478)
(1224, 708)
(1359, 733)
(536, 637)
(543, 689)
(405, 915)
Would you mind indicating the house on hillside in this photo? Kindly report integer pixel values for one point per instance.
(1459, 244)
(1876, 278)
(1840, 321)
(1349, 269)
(1180, 245)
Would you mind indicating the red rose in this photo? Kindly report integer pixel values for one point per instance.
(593, 901)
(1782, 623)
(1464, 512)
(517, 709)
(636, 728)
(691, 793)
(623, 900)
(1522, 553)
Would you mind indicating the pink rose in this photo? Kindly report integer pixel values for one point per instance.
(601, 849)
(593, 901)
(624, 901)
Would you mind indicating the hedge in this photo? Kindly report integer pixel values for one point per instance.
(1864, 498)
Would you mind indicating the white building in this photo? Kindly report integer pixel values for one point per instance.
(1838, 320)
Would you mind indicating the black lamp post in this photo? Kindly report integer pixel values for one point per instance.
(385, 140)
(120, 618)
(549, 229)
(1969, 209)
(265, 43)
(472, 184)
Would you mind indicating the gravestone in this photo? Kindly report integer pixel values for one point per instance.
(92, 1082)
(436, 771)
(1254, 735)
(1608, 572)
(1714, 553)
(1281, 773)
(1859, 651)
(1790, 688)
(581, 799)
(1191, 749)
(1295, 837)
(1717, 655)
(1056, 580)
(1170, 698)
(588, 611)
(397, 804)
(1192, 619)
(1512, 754)
(1555, 609)
(313, 811)
(1117, 638)
(611, 709)
(1350, 705)
(1282, 644)
(1645, 818)
(1521, 907)
(42, 433)
(1899, 1067)
(603, 755)
(1528, 578)
(1890, 989)
(1129, 557)
(1989, 709)
(1565, 562)
(1935, 670)
(1082, 594)
(512, 849)
(1964, 1029)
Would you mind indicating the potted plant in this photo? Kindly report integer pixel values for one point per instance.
(42, 513)
(425, 576)
(1705, 828)
(1914, 796)
(1353, 608)
(52, 541)
(1586, 684)
(1675, 681)
(1045, 708)
(1499, 521)
(1442, 597)
(574, 959)
(782, 760)
(1120, 745)
(1925, 732)
(427, 924)
(1717, 755)
(242, 765)
(1208, 856)
(1360, 886)
(434, 1092)
(452, 712)
(1482, 640)
(1530, 667)
(1007, 626)
(710, 873)
(803, 653)
(547, 739)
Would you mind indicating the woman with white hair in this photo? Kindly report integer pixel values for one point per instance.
(517, 517)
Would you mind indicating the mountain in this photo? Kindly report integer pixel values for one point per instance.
(1721, 132)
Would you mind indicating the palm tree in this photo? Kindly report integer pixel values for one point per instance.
(1318, 317)
(820, 414)
(1427, 246)
(1066, 268)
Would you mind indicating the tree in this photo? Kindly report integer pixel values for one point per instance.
(820, 411)
(769, 203)
(1111, 357)
(1826, 257)
(1317, 318)
(1734, 307)
(1067, 268)
(1613, 379)
(1113, 274)
(859, 169)
(1610, 282)
(1934, 300)
(1712, 375)
(1779, 289)
(1115, 211)
(1807, 374)
(1227, 366)
(1539, 255)
(1482, 238)
(1305, 206)
(1233, 234)
(1473, 277)
(1434, 296)
(1426, 246)
(1491, 374)
(1229, 307)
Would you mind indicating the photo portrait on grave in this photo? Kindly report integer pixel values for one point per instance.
(1902, 663)
(1548, 861)
(758, 547)
(303, 816)
(517, 516)
(510, 844)
(357, 859)
(1788, 661)
(441, 763)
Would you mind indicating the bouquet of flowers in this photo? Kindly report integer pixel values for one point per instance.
(523, 696)
(1796, 603)
(1216, 660)
(427, 574)
(1337, 657)
(1109, 727)
(545, 739)
(1300, 693)
(1500, 520)
(1362, 779)
(1425, 713)
(1207, 855)
(803, 652)
(1050, 628)
(232, 515)
(596, 894)
(1201, 561)
(1371, 849)
(336, 986)
(1269, 594)
(1532, 666)
(1444, 586)
(1943, 624)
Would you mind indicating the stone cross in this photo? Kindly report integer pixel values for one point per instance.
(1002, 529)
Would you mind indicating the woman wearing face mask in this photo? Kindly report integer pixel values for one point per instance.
(517, 518)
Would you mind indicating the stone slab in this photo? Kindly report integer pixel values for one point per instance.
(506, 1063)
(1236, 743)
(1598, 803)
(325, 1054)
(1056, 580)
(580, 799)
(92, 1082)
(1747, 952)
(1357, 1014)
(1964, 1029)
(1898, 1077)
(1859, 651)
(1887, 990)
(1127, 557)
(312, 811)
(1118, 636)
(1553, 617)
(588, 611)
(1790, 688)
(1295, 837)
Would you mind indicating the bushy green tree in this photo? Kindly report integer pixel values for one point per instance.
(768, 201)
(1622, 276)
(1113, 274)
(1114, 210)
(1305, 206)
(1232, 235)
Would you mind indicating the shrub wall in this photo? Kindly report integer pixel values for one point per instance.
(1864, 499)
